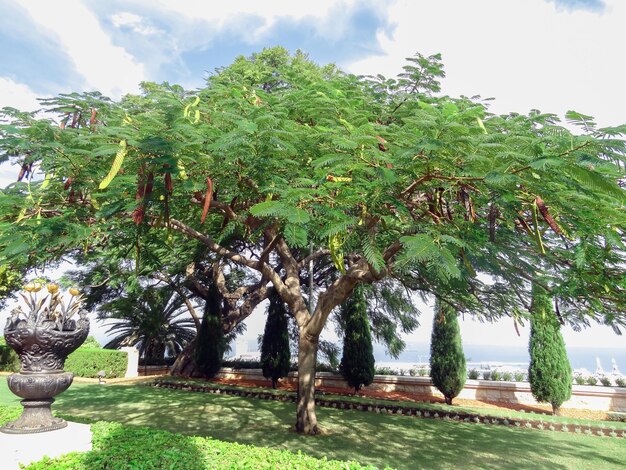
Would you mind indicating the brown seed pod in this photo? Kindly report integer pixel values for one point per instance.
(67, 184)
(169, 186)
(546, 215)
(207, 199)
(138, 214)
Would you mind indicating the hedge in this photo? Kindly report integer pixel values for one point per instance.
(87, 362)
(9, 361)
(84, 362)
(117, 446)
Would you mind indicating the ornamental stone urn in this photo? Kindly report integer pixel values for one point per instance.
(43, 338)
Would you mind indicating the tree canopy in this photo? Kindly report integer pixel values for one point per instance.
(278, 161)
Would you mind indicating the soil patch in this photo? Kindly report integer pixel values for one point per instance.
(417, 398)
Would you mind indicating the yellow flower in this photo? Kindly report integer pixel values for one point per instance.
(32, 287)
(73, 291)
(52, 288)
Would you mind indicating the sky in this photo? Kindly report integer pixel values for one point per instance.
(552, 55)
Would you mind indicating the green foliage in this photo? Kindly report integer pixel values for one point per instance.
(154, 319)
(357, 362)
(447, 361)
(549, 373)
(9, 360)
(472, 374)
(91, 342)
(591, 380)
(275, 353)
(116, 446)
(10, 281)
(9, 413)
(87, 362)
(210, 343)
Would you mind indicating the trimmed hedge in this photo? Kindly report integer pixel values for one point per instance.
(84, 362)
(9, 360)
(87, 362)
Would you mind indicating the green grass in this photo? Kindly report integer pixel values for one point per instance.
(368, 438)
(491, 412)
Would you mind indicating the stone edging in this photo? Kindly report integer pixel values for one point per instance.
(415, 411)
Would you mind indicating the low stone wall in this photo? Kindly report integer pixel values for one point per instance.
(583, 396)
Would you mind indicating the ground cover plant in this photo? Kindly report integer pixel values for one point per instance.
(368, 438)
(117, 446)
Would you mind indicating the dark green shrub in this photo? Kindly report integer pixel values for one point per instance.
(422, 372)
(496, 376)
(242, 364)
(9, 360)
(357, 363)
(549, 373)
(616, 416)
(606, 381)
(91, 343)
(507, 376)
(86, 362)
(591, 380)
(620, 382)
(519, 376)
(210, 342)
(472, 374)
(487, 375)
(385, 371)
(447, 361)
(579, 379)
(275, 354)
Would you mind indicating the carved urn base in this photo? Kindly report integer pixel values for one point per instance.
(37, 390)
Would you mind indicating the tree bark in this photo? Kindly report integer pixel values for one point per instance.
(306, 420)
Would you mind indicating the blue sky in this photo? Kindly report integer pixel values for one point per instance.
(552, 55)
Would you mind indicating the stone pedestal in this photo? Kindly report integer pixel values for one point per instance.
(37, 390)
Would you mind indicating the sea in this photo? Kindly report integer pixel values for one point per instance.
(417, 354)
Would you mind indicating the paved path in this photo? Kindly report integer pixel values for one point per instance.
(27, 448)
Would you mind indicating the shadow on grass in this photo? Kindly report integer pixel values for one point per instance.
(369, 438)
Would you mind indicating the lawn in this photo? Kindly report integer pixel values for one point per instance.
(369, 438)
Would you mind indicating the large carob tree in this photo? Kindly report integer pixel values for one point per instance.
(383, 177)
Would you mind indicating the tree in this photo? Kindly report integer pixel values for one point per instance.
(549, 373)
(210, 344)
(447, 360)
(383, 177)
(153, 319)
(275, 353)
(357, 362)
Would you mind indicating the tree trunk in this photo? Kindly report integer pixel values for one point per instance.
(556, 410)
(448, 400)
(306, 421)
(184, 365)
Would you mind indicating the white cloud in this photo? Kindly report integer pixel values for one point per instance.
(328, 15)
(525, 54)
(17, 95)
(104, 66)
(135, 22)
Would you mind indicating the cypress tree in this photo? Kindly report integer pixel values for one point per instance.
(210, 343)
(447, 361)
(550, 373)
(357, 362)
(275, 353)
